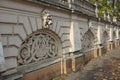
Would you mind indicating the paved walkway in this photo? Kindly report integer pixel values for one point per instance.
(106, 67)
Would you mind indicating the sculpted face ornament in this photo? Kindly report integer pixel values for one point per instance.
(90, 25)
(46, 19)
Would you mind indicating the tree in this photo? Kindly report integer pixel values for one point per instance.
(117, 9)
(111, 6)
(103, 6)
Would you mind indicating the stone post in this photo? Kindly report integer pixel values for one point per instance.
(69, 3)
(75, 40)
(2, 59)
(105, 17)
(73, 62)
(95, 53)
(112, 45)
(65, 67)
(115, 19)
(111, 38)
(96, 9)
(108, 17)
(99, 52)
(108, 46)
(116, 43)
(117, 38)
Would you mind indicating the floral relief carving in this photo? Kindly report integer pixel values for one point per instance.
(105, 38)
(38, 47)
(88, 40)
(114, 35)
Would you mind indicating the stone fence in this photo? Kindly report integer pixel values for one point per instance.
(41, 41)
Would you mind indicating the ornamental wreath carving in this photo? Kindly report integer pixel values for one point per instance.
(38, 47)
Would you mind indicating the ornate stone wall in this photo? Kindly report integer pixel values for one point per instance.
(37, 36)
(105, 38)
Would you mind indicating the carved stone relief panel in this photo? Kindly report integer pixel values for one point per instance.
(88, 40)
(114, 36)
(105, 38)
(119, 34)
(39, 46)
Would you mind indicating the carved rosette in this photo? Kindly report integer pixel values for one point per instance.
(38, 47)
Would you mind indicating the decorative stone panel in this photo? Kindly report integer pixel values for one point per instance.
(114, 35)
(105, 38)
(88, 40)
(39, 46)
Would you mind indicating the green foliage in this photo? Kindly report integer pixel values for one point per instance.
(111, 6)
(103, 5)
(117, 9)
(56, 78)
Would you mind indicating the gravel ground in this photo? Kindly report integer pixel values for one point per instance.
(106, 67)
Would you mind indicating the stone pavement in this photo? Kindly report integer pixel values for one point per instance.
(106, 67)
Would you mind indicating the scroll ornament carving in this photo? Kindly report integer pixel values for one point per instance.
(105, 38)
(37, 48)
(88, 41)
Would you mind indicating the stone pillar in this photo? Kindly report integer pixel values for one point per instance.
(62, 68)
(65, 67)
(75, 38)
(117, 38)
(107, 49)
(105, 17)
(95, 53)
(96, 9)
(111, 38)
(108, 17)
(99, 52)
(2, 59)
(112, 45)
(115, 19)
(117, 43)
(69, 2)
(73, 62)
